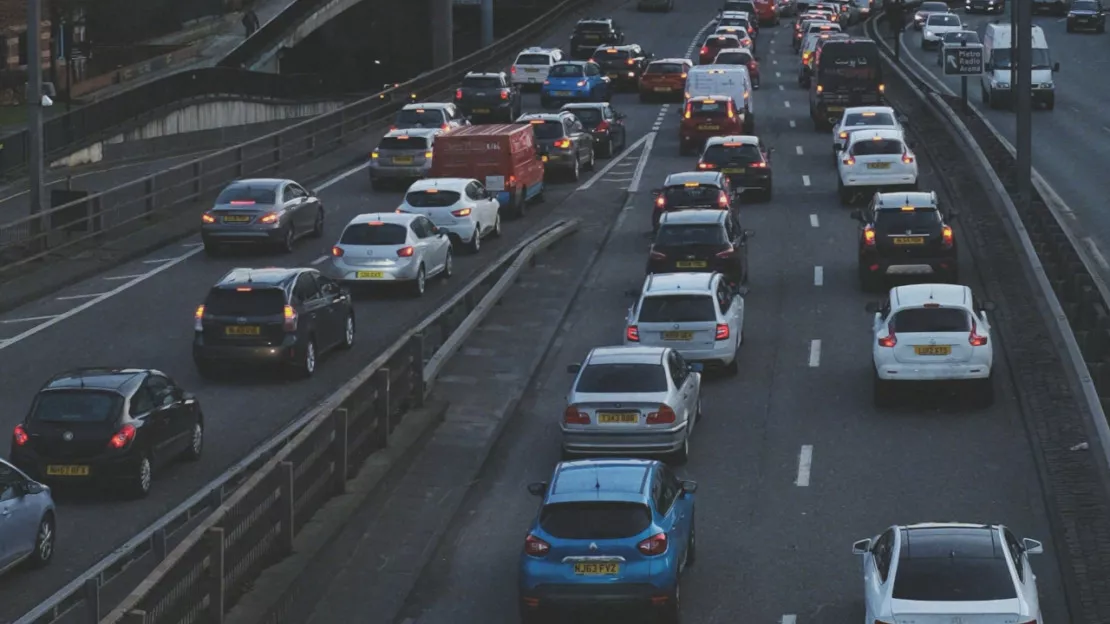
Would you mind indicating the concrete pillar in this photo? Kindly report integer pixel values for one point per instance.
(442, 29)
(487, 23)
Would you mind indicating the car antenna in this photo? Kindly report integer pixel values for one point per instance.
(250, 276)
(597, 482)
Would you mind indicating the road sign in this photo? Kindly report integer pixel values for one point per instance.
(963, 60)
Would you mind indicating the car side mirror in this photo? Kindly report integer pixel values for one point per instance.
(696, 367)
(538, 488)
(1032, 546)
(988, 306)
(656, 192)
(689, 487)
(743, 291)
(168, 399)
(574, 368)
(856, 215)
(1056, 67)
(861, 547)
(31, 487)
(872, 306)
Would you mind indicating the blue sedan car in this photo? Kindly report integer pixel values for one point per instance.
(575, 81)
(611, 535)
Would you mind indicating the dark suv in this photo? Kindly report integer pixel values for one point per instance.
(700, 241)
(905, 235)
(623, 64)
(277, 316)
(590, 33)
(488, 95)
(563, 142)
(108, 426)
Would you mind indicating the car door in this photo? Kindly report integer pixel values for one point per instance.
(487, 206)
(153, 422)
(433, 244)
(692, 382)
(306, 207)
(876, 573)
(18, 518)
(318, 311)
(671, 517)
(681, 377)
(169, 406)
(338, 303)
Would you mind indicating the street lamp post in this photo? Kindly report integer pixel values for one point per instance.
(35, 103)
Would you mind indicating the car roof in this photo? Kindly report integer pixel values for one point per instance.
(689, 217)
(917, 295)
(397, 218)
(723, 36)
(868, 109)
(446, 184)
(596, 20)
(601, 479)
(98, 378)
(569, 62)
(414, 132)
(950, 541)
(725, 51)
(624, 47)
(896, 200)
(635, 354)
(678, 283)
(543, 116)
(701, 177)
(539, 50)
(427, 106)
(475, 74)
(932, 15)
(745, 139)
(878, 131)
(671, 60)
(715, 98)
(571, 106)
(259, 182)
(269, 276)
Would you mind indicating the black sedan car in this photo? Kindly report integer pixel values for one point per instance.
(604, 123)
(623, 64)
(744, 160)
(590, 33)
(261, 211)
(284, 317)
(700, 241)
(109, 426)
(1086, 15)
(488, 96)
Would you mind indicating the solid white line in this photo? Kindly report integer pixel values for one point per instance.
(818, 276)
(28, 319)
(805, 465)
(786, 104)
(805, 180)
(613, 163)
(813, 221)
(157, 261)
(319, 260)
(814, 353)
(634, 186)
(792, 124)
(1093, 246)
(72, 297)
(341, 177)
(798, 149)
(789, 619)
(116, 278)
(192, 244)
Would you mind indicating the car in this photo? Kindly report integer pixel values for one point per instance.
(691, 191)
(767, 12)
(282, 317)
(443, 115)
(588, 34)
(925, 10)
(664, 78)
(261, 211)
(1052, 7)
(575, 81)
(392, 248)
(700, 241)
(905, 234)
(928, 335)
(666, 6)
(532, 64)
(624, 527)
(736, 18)
(801, 27)
(936, 26)
(632, 400)
(949, 571)
(714, 44)
(744, 159)
(747, 40)
(706, 117)
(488, 96)
(744, 57)
(788, 8)
(564, 143)
(107, 427)
(402, 155)
(862, 119)
(955, 40)
(622, 64)
(878, 159)
(604, 122)
(461, 207)
(815, 27)
(1086, 15)
(984, 6)
(27, 507)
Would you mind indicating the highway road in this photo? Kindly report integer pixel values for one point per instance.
(775, 532)
(141, 314)
(1072, 142)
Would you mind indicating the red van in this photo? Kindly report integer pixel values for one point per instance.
(502, 156)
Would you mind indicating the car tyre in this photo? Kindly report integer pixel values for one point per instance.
(196, 442)
(44, 543)
(592, 161)
(607, 149)
(496, 231)
(348, 333)
(141, 481)
(318, 225)
(692, 542)
(448, 266)
(475, 244)
(881, 392)
(682, 455)
(288, 240)
(307, 366)
(420, 283)
(575, 172)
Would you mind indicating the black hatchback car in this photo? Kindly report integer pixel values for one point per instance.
(623, 64)
(284, 317)
(590, 33)
(700, 241)
(692, 191)
(603, 122)
(109, 426)
(745, 160)
(905, 235)
(488, 96)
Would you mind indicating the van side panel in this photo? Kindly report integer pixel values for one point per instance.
(502, 156)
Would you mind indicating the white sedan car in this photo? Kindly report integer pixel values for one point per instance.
(863, 118)
(931, 333)
(462, 208)
(936, 25)
(387, 247)
(875, 161)
(949, 572)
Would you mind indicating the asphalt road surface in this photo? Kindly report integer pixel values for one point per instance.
(141, 314)
(775, 531)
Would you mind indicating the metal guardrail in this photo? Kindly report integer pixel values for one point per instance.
(191, 184)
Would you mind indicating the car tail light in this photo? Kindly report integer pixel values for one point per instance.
(512, 70)
(461, 212)
(563, 144)
(198, 319)
(974, 339)
(805, 57)
(722, 331)
(631, 61)
(946, 235)
(882, 88)
(660, 202)
(406, 252)
(393, 127)
(849, 161)
(290, 316)
(664, 416)
(208, 217)
(445, 127)
(580, 83)
(535, 547)
(512, 181)
(603, 126)
(572, 416)
(373, 155)
(656, 255)
(844, 135)
(730, 111)
(593, 61)
(123, 437)
(869, 236)
(750, 30)
(504, 94)
(269, 217)
(683, 75)
(754, 65)
(722, 200)
(547, 82)
(726, 253)
(458, 94)
(820, 88)
(19, 436)
(906, 158)
(337, 252)
(704, 50)
(758, 165)
(705, 165)
(654, 545)
(890, 339)
(633, 332)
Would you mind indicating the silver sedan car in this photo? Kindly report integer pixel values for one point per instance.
(262, 211)
(26, 520)
(390, 247)
(632, 400)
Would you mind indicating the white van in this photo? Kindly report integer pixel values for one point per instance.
(731, 80)
(996, 83)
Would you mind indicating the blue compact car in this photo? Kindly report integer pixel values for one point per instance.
(575, 81)
(611, 535)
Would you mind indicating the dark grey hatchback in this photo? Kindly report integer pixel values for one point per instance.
(262, 211)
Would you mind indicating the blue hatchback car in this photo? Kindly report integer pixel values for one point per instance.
(611, 535)
(575, 81)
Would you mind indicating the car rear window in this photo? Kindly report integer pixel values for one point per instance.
(76, 406)
(425, 117)
(403, 143)
(901, 221)
(703, 196)
(566, 71)
(868, 119)
(733, 58)
(547, 129)
(953, 579)
(588, 116)
(722, 42)
(665, 68)
(711, 108)
(533, 59)
(366, 234)
(605, 54)
(677, 309)
(962, 36)
(592, 27)
(882, 147)
(429, 199)
(247, 193)
(691, 234)
(943, 20)
(253, 302)
(481, 82)
(595, 520)
(930, 320)
(721, 154)
(622, 378)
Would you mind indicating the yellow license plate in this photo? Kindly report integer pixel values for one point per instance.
(369, 274)
(67, 471)
(481, 110)
(543, 158)
(618, 418)
(932, 349)
(709, 127)
(236, 219)
(909, 240)
(878, 165)
(597, 569)
(732, 170)
(663, 89)
(402, 160)
(691, 264)
(242, 330)
(672, 335)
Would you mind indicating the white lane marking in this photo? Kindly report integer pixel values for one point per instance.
(805, 466)
(192, 244)
(786, 104)
(798, 149)
(341, 177)
(814, 353)
(1106, 129)
(634, 185)
(774, 62)
(320, 260)
(792, 123)
(1093, 246)
(116, 278)
(157, 261)
(782, 88)
(28, 319)
(805, 180)
(813, 221)
(789, 619)
(772, 50)
(613, 163)
(818, 276)
(778, 74)
(72, 297)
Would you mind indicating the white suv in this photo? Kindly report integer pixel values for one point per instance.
(531, 65)
(697, 314)
(875, 160)
(931, 332)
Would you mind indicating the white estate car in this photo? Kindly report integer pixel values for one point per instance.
(936, 25)
(462, 208)
(857, 118)
(931, 332)
(949, 572)
(697, 314)
(532, 64)
(876, 160)
(387, 247)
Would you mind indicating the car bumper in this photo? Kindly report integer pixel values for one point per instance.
(660, 89)
(491, 108)
(1085, 25)
(567, 598)
(611, 443)
(623, 77)
(701, 136)
(560, 159)
(101, 468)
(460, 230)
(934, 372)
(720, 354)
(750, 181)
(287, 351)
(730, 269)
(884, 180)
(221, 234)
(391, 172)
(528, 78)
(564, 95)
(912, 266)
(349, 273)
(985, 8)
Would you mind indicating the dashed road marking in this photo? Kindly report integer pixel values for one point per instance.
(793, 124)
(789, 619)
(1093, 246)
(28, 319)
(818, 276)
(72, 297)
(320, 260)
(805, 466)
(813, 221)
(782, 88)
(798, 149)
(786, 104)
(814, 353)
(158, 260)
(189, 245)
(116, 278)
(1106, 129)
(774, 62)
(778, 74)
(805, 180)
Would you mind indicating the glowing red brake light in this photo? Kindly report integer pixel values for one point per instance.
(704, 50)
(869, 236)
(535, 547)
(759, 165)
(722, 200)
(603, 126)
(574, 417)
(631, 61)
(512, 70)
(208, 217)
(406, 252)
(890, 339)
(19, 436)
(123, 437)
(654, 545)
(946, 235)
(504, 94)
(974, 339)
(906, 158)
(290, 318)
(722, 331)
(458, 94)
(849, 161)
(726, 253)
(563, 144)
(660, 202)
(337, 251)
(705, 165)
(633, 332)
(461, 212)
(844, 135)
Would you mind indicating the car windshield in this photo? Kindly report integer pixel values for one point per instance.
(374, 234)
(566, 71)
(665, 68)
(943, 20)
(76, 406)
(1000, 58)
(733, 21)
(251, 302)
(595, 521)
(588, 116)
(622, 378)
(953, 579)
(703, 195)
(930, 320)
(677, 309)
(691, 234)
(547, 129)
(1084, 5)
(403, 143)
(419, 117)
(482, 82)
(611, 54)
(723, 155)
(533, 59)
(248, 194)
(960, 37)
(934, 7)
(900, 221)
(733, 58)
(592, 27)
(708, 108)
(432, 198)
(867, 119)
(882, 147)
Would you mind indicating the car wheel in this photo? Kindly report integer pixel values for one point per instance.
(420, 283)
(576, 171)
(143, 478)
(44, 543)
(692, 543)
(607, 149)
(318, 224)
(196, 442)
(590, 163)
(496, 232)
(475, 244)
(881, 393)
(288, 240)
(682, 455)
(448, 266)
(733, 367)
(348, 333)
(307, 366)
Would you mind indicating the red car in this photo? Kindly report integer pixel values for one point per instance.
(664, 78)
(705, 117)
(740, 57)
(715, 44)
(767, 11)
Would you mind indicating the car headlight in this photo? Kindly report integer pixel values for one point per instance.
(928, 33)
